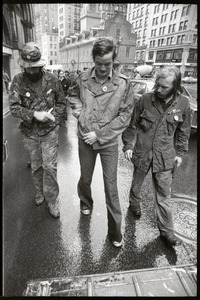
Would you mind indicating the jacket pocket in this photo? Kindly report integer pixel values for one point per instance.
(146, 119)
(168, 159)
(172, 122)
(27, 99)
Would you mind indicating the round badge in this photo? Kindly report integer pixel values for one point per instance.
(104, 88)
(28, 56)
(28, 94)
(176, 118)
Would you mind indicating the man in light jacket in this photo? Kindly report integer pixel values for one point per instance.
(102, 101)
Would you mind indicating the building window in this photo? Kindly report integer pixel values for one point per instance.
(178, 41)
(55, 52)
(51, 53)
(156, 8)
(194, 39)
(159, 56)
(170, 40)
(181, 26)
(150, 57)
(192, 55)
(168, 55)
(51, 38)
(186, 10)
(127, 51)
(182, 38)
(177, 55)
(175, 14)
(118, 32)
(51, 46)
(173, 27)
(185, 25)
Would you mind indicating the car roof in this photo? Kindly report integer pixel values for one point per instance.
(143, 81)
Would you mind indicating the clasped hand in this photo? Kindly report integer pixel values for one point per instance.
(90, 138)
(43, 116)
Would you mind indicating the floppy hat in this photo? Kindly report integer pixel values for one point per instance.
(31, 56)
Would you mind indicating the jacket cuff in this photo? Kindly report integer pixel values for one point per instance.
(127, 147)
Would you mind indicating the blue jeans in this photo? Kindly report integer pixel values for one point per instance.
(162, 182)
(43, 156)
(109, 161)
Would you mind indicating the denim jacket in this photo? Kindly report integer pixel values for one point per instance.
(159, 135)
(104, 108)
(24, 100)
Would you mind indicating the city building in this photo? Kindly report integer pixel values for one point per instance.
(75, 50)
(166, 34)
(95, 15)
(18, 29)
(68, 19)
(46, 29)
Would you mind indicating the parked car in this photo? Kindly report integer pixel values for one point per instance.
(189, 79)
(141, 86)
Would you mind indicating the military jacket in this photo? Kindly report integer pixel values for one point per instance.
(104, 108)
(24, 100)
(158, 136)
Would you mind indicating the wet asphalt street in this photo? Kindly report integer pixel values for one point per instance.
(36, 246)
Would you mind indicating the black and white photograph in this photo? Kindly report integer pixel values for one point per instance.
(99, 149)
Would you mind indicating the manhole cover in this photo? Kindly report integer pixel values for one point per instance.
(185, 219)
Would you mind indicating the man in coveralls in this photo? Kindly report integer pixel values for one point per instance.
(37, 98)
(102, 101)
(159, 130)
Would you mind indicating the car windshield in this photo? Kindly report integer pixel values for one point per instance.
(142, 87)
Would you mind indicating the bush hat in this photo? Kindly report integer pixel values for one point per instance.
(31, 56)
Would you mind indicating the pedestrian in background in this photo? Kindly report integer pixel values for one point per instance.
(37, 98)
(157, 138)
(6, 79)
(65, 85)
(102, 101)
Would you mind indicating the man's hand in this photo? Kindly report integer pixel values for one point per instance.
(43, 116)
(90, 138)
(128, 154)
(178, 161)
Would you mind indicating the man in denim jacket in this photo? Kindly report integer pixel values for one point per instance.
(157, 138)
(37, 98)
(102, 101)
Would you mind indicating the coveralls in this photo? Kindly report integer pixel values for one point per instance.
(40, 138)
(160, 132)
(105, 109)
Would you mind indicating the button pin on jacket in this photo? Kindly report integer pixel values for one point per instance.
(176, 118)
(104, 88)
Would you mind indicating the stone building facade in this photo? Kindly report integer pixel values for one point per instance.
(75, 51)
(18, 29)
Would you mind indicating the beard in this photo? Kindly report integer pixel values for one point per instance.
(164, 96)
(34, 77)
